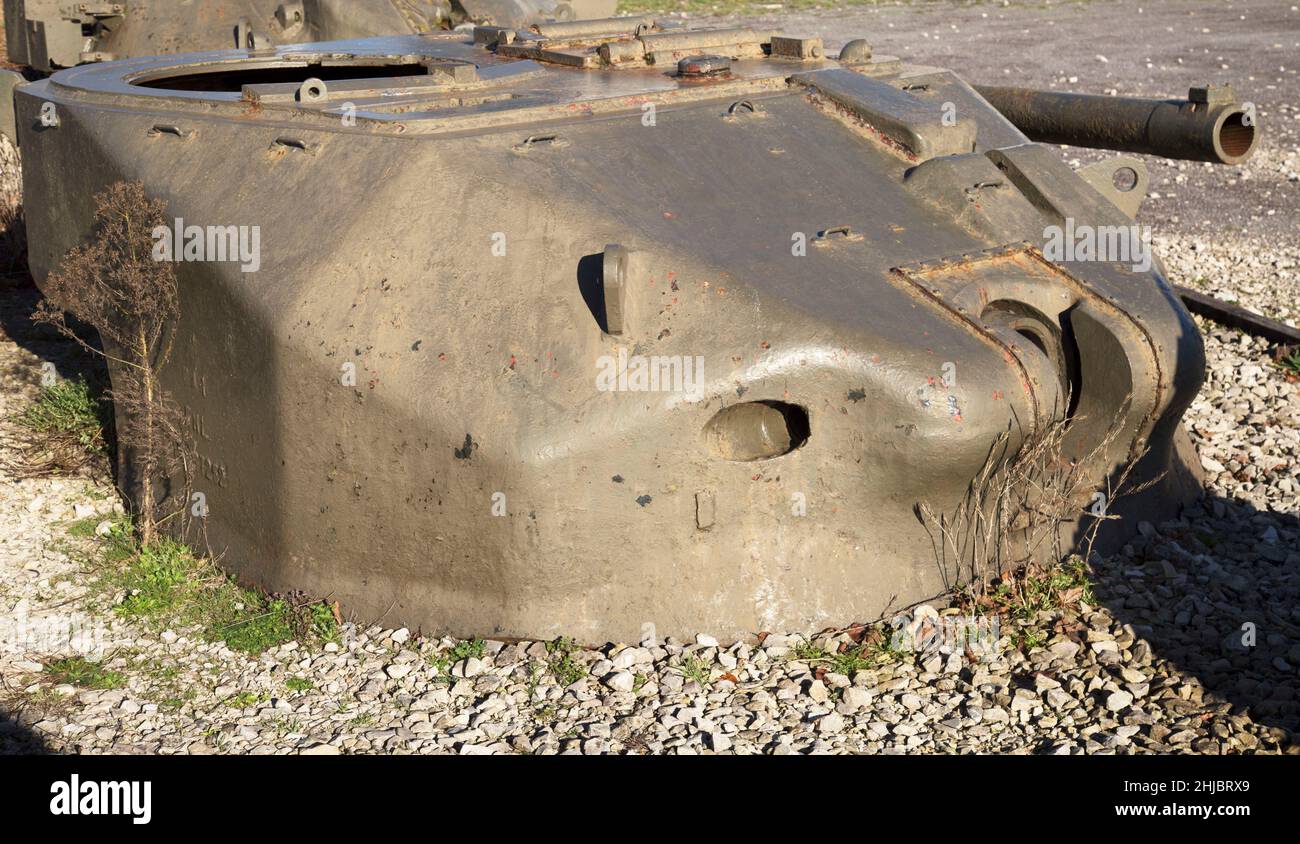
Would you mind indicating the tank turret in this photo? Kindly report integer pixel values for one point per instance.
(575, 328)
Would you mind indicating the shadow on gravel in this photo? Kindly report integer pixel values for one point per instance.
(16, 739)
(19, 298)
(1217, 594)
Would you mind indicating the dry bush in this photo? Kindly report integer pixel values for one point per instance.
(1014, 513)
(113, 284)
(13, 235)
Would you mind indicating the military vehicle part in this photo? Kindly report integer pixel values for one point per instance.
(1210, 125)
(49, 34)
(680, 350)
(1122, 179)
(9, 80)
(45, 34)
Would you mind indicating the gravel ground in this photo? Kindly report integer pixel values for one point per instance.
(1156, 663)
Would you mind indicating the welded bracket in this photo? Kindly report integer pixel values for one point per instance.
(1122, 179)
(614, 279)
(917, 127)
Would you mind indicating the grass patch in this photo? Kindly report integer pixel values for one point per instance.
(854, 659)
(323, 621)
(44, 702)
(157, 581)
(1289, 363)
(79, 671)
(247, 622)
(244, 700)
(566, 669)
(1028, 638)
(165, 584)
(535, 672)
(694, 668)
(442, 663)
(66, 409)
(1023, 595)
(62, 431)
(876, 649)
(808, 652)
(470, 648)
(299, 684)
(84, 528)
(884, 650)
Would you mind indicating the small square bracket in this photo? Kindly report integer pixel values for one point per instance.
(805, 49)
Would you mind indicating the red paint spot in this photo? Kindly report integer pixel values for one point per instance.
(513, 361)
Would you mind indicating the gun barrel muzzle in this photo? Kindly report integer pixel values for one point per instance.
(1208, 126)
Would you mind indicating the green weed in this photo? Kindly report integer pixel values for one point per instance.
(67, 411)
(79, 671)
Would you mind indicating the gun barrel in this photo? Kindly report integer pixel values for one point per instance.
(1208, 126)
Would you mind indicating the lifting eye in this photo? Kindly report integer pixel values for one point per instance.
(757, 430)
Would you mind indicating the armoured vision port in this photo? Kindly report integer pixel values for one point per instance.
(757, 430)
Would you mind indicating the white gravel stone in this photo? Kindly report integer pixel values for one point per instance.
(831, 723)
(321, 750)
(620, 681)
(854, 699)
(1119, 701)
